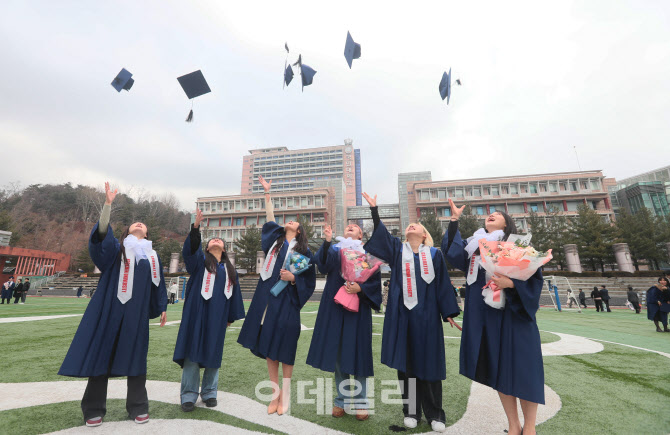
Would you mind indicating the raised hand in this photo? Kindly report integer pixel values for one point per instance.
(266, 184)
(370, 200)
(456, 212)
(328, 232)
(109, 194)
(198, 218)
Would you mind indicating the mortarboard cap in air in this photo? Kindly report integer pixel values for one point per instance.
(123, 80)
(445, 86)
(288, 75)
(307, 75)
(194, 85)
(352, 50)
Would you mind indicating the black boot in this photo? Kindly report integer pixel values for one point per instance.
(658, 328)
(665, 328)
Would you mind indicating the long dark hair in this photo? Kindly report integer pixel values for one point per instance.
(212, 264)
(301, 244)
(122, 252)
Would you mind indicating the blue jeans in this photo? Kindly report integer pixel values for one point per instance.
(190, 382)
(344, 394)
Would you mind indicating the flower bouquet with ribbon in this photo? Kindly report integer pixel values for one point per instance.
(514, 258)
(295, 263)
(356, 267)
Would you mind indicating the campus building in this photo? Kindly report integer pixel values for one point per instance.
(303, 169)
(517, 195)
(650, 190)
(229, 216)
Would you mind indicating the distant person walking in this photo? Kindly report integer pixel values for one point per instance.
(605, 295)
(597, 299)
(658, 304)
(571, 298)
(633, 299)
(172, 293)
(79, 291)
(7, 290)
(17, 291)
(582, 298)
(26, 287)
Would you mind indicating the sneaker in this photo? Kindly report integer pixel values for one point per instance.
(93, 422)
(362, 414)
(410, 422)
(438, 426)
(142, 418)
(211, 402)
(187, 406)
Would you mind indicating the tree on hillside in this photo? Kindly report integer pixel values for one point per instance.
(165, 247)
(432, 224)
(646, 236)
(246, 248)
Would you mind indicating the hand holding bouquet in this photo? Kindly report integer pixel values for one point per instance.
(356, 266)
(514, 258)
(296, 263)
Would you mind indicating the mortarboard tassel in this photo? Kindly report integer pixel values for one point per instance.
(189, 118)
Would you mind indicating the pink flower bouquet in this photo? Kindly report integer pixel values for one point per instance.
(514, 259)
(357, 267)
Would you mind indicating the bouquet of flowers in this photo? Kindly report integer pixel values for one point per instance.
(295, 263)
(357, 266)
(514, 258)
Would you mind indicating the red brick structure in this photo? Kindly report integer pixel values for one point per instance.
(32, 262)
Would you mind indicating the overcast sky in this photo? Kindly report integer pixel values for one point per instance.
(538, 78)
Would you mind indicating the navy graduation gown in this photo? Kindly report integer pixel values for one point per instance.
(422, 324)
(500, 348)
(277, 337)
(339, 330)
(203, 324)
(113, 338)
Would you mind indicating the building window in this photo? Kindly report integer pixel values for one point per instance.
(476, 191)
(495, 191)
(594, 185)
(492, 209)
(515, 208)
(238, 222)
(479, 210)
(552, 187)
(424, 195)
(514, 189)
(533, 188)
(534, 208)
(573, 186)
(459, 193)
(447, 212)
(442, 194)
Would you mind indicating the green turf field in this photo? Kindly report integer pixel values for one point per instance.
(620, 390)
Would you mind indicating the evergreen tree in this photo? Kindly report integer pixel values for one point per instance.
(246, 248)
(83, 261)
(303, 220)
(594, 238)
(432, 224)
(165, 247)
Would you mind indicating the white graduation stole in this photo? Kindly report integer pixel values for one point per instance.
(124, 290)
(409, 289)
(207, 288)
(271, 259)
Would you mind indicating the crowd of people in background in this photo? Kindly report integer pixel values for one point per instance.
(18, 290)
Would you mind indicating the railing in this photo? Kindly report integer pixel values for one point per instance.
(44, 282)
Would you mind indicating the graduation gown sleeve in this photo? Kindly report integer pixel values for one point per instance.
(104, 250)
(383, 245)
(371, 291)
(236, 310)
(446, 297)
(455, 252)
(270, 232)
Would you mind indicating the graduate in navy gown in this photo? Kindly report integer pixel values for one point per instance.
(113, 337)
(420, 298)
(500, 347)
(658, 304)
(272, 326)
(342, 339)
(213, 301)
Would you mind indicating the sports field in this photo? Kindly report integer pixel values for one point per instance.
(617, 381)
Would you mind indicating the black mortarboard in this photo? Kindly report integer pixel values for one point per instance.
(123, 80)
(445, 86)
(288, 75)
(458, 82)
(194, 85)
(299, 61)
(307, 75)
(351, 50)
(286, 46)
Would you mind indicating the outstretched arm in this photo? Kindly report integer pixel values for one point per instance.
(103, 223)
(269, 207)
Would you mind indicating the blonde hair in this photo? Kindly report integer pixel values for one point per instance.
(428, 240)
